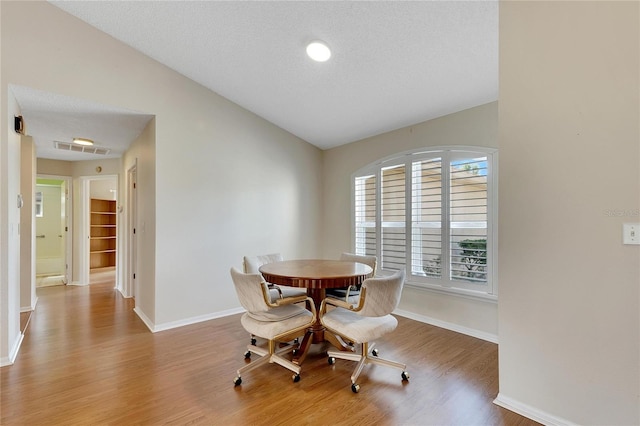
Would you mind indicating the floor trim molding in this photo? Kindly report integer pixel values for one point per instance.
(13, 354)
(530, 412)
(154, 328)
(489, 337)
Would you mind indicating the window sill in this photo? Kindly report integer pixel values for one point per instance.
(468, 294)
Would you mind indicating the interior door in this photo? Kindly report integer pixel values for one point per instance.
(51, 220)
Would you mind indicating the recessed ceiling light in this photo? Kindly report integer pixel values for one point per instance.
(318, 51)
(82, 141)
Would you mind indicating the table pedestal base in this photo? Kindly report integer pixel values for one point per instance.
(317, 333)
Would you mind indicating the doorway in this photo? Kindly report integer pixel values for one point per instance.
(52, 230)
(103, 226)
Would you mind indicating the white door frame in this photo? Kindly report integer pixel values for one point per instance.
(68, 243)
(131, 251)
(84, 257)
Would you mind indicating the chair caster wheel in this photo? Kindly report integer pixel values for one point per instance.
(237, 381)
(331, 360)
(294, 352)
(405, 376)
(355, 388)
(375, 352)
(296, 378)
(253, 341)
(296, 340)
(247, 355)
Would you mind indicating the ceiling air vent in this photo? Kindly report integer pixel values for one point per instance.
(65, 146)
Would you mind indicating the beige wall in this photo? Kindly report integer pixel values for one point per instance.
(473, 127)
(569, 154)
(227, 183)
(54, 167)
(142, 156)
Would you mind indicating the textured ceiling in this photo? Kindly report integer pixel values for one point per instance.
(394, 63)
(51, 118)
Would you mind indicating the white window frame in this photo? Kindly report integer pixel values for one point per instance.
(448, 154)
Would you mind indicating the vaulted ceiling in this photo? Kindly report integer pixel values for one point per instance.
(393, 63)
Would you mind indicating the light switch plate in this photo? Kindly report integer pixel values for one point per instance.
(631, 233)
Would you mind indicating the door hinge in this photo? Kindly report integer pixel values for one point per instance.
(134, 276)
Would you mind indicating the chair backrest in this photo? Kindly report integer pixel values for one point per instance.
(249, 288)
(251, 264)
(382, 294)
(367, 260)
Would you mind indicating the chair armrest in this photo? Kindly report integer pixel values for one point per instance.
(343, 304)
(340, 303)
(275, 287)
(346, 297)
(288, 300)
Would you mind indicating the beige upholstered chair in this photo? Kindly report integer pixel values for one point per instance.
(361, 324)
(279, 321)
(252, 264)
(351, 294)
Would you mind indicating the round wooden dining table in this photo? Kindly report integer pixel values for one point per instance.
(316, 275)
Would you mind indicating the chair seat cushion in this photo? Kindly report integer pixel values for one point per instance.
(278, 314)
(270, 325)
(358, 328)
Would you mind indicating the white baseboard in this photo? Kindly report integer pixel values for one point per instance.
(29, 308)
(489, 337)
(9, 360)
(530, 412)
(144, 318)
(188, 321)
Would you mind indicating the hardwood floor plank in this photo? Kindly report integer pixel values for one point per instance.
(87, 359)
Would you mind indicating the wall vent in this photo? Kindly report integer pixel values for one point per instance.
(65, 146)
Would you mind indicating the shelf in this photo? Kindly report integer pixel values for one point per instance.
(103, 233)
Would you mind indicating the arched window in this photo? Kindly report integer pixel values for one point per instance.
(432, 212)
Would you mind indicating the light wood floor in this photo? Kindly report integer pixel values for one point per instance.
(87, 359)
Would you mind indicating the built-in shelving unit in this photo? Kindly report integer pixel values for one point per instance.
(103, 233)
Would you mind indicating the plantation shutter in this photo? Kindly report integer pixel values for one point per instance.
(431, 212)
(426, 218)
(365, 215)
(468, 220)
(393, 217)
